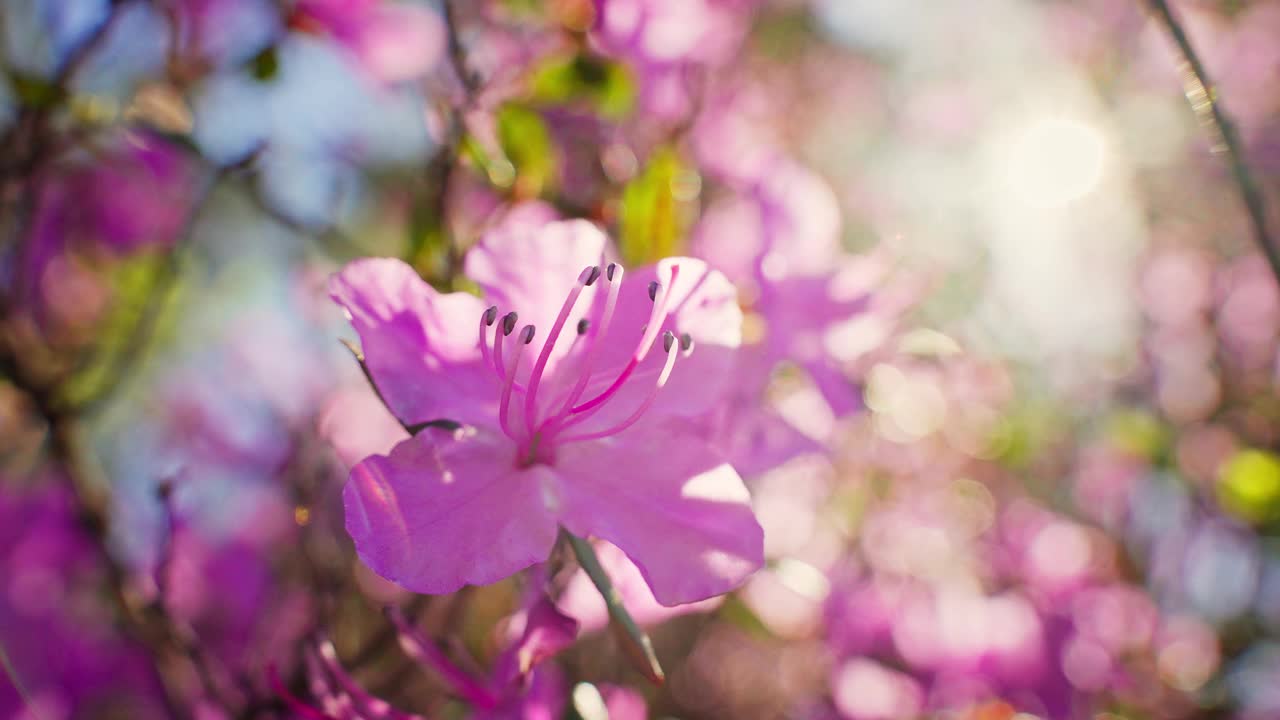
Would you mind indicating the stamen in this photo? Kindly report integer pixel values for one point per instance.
(583, 326)
(585, 278)
(658, 317)
(668, 343)
(499, 361)
(661, 295)
(526, 337)
(487, 319)
(613, 274)
(686, 343)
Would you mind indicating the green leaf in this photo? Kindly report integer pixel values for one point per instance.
(265, 65)
(35, 92)
(736, 613)
(657, 208)
(606, 86)
(143, 286)
(526, 142)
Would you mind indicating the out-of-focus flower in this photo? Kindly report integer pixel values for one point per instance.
(809, 304)
(39, 35)
(63, 656)
(590, 433)
(521, 684)
(220, 33)
(135, 196)
(668, 42)
(394, 41)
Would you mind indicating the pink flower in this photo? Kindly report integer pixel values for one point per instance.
(667, 41)
(394, 41)
(587, 429)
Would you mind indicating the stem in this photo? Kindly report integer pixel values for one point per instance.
(638, 647)
(1202, 97)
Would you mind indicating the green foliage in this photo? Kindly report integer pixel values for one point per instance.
(1137, 433)
(34, 91)
(605, 86)
(526, 143)
(265, 65)
(1249, 486)
(657, 208)
(139, 282)
(735, 612)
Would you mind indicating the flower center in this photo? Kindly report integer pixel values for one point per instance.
(538, 427)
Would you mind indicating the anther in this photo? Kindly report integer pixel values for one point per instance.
(608, 272)
(686, 342)
(654, 286)
(509, 323)
(526, 335)
(490, 315)
(589, 275)
(668, 339)
(583, 326)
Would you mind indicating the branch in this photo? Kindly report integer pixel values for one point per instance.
(1203, 99)
(638, 647)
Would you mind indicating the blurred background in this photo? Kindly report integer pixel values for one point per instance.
(1011, 427)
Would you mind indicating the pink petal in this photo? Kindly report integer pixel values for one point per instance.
(757, 439)
(529, 268)
(358, 425)
(836, 387)
(400, 42)
(421, 346)
(623, 703)
(547, 631)
(802, 221)
(673, 506)
(445, 510)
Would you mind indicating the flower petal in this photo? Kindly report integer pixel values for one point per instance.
(445, 510)
(398, 42)
(421, 346)
(529, 267)
(672, 505)
(623, 703)
(547, 632)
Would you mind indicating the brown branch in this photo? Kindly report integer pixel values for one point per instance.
(1202, 96)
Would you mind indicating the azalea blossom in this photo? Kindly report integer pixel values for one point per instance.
(579, 418)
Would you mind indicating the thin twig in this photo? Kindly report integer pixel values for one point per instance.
(457, 55)
(1202, 96)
